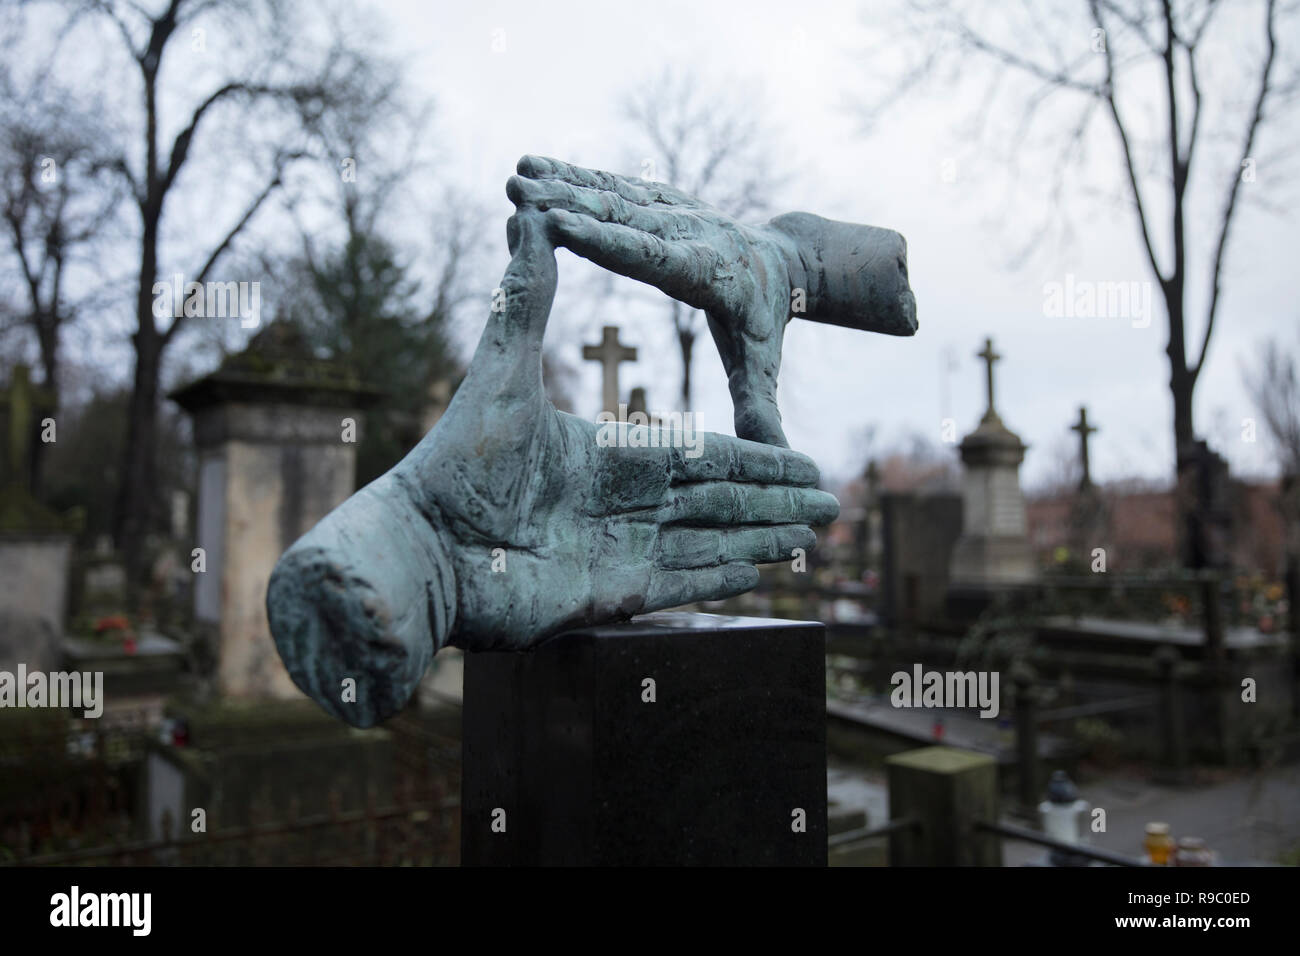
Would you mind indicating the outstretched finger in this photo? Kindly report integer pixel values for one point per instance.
(635, 190)
(674, 588)
(752, 364)
(724, 503)
(602, 204)
(685, 547)
(714, 457)
(682, 270)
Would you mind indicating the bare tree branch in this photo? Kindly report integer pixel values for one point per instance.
(181, 145)
(1134, 22)
(1230, 205)
(1057, 77)
(1274, 387)
(1126, 149)
(221, 247)
(708, 147)
(1177, 167)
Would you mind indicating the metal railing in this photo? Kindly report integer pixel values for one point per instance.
(862, 835)
(417, 833)
(1009, 831)
(1013, 832)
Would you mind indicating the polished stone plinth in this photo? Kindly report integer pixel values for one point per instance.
(573, 757)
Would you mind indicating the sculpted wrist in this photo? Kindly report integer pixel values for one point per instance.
(444, 602)
(856, 275)
(804, 273)
(359, 605)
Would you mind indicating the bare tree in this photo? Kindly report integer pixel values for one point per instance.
(356, 290)
(56, 195)
(1120, 63)
(376, 148)
(707, 146)
(1274, 386)
(275, 81)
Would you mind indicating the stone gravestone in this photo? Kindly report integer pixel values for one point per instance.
(103, 579)
(866, 532)
(1089, 516)
(993, 550)
(637, 403)
(276, 431)
(918, 532)
(1084, 430)
(35, 542)
(531, 539)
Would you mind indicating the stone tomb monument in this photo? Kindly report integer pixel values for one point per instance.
(524, 536)
(275, 455)
(993, 551)
(35, 542)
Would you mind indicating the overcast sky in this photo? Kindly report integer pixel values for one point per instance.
(509, 78)
(554, 90)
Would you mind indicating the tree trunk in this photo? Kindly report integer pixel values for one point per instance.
(136, 493)
(1190, 530)
(1181, 380)
(48, 339)
(47, 327)
(137, 489)
(1289, 506)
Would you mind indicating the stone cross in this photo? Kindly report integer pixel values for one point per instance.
(1084, 430)
(23, 402)
(609, 353)
(989, 357)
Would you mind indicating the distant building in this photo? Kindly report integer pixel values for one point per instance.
(1140, 532)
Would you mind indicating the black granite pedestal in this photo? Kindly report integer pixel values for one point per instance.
(673, 739)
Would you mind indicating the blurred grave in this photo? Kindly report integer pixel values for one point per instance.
(1125, 666)
(277, 432)
(35, 542)
(993, 550)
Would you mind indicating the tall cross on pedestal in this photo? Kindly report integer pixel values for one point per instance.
(1084, 430)
(23, 404)
(609, 353)
(989, 357)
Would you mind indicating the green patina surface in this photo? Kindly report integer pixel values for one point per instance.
(511, 521)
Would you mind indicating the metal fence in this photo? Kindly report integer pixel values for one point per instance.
(412, 834)
(73, 793)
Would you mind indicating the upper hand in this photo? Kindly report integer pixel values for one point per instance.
(741, 276)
